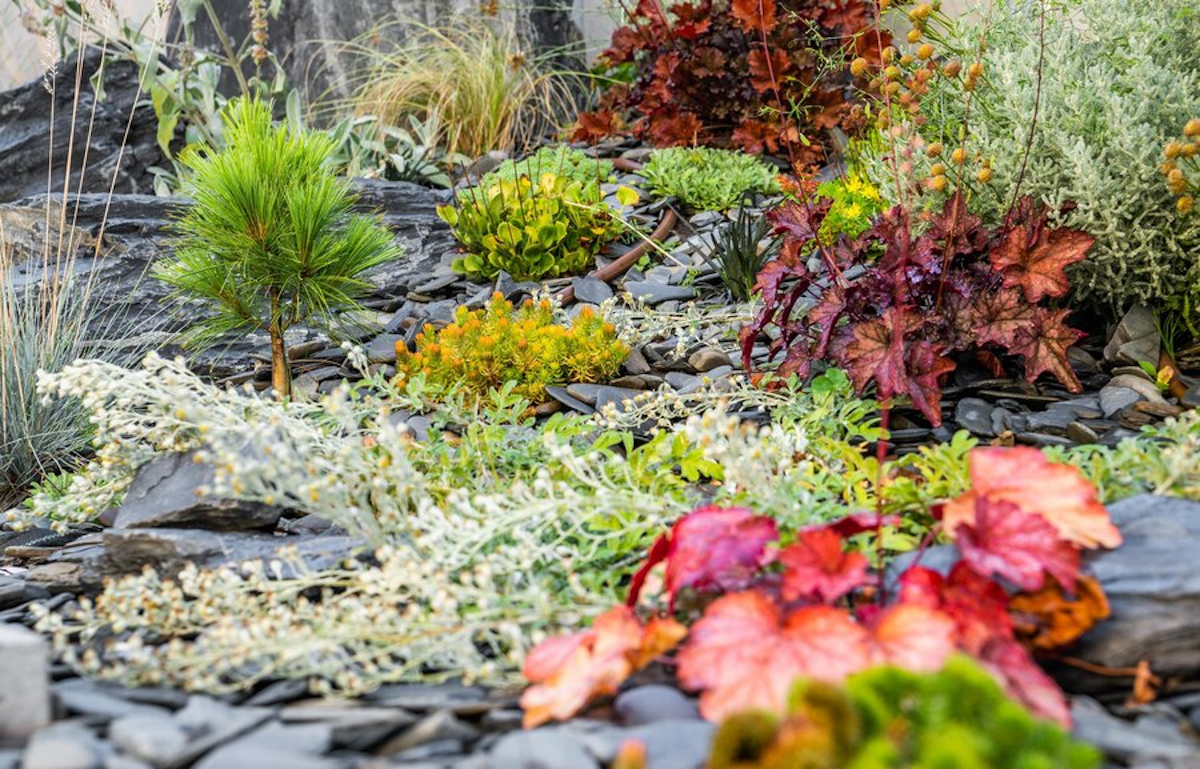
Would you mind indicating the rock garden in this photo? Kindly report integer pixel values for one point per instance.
(783, 383)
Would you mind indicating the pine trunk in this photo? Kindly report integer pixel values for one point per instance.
(281, 369)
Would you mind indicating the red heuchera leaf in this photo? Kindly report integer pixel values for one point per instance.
(1026, 682)
(569, 671)
(711, 548)
(912, 636)
(745, 655)
(1021, 547)
(766, 72)
(593, 126)
(816, 568)
(1044, 344)
(1023, 476)
(874, 349)
(926, 365)
(755, 15)
(1001, 318)
(855, 523)
(1034, 258)
(978, 606)
(675, 130)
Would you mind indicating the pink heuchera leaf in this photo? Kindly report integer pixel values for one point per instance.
(978, 606)
(1023, 476)
(743, 654)
(569, 671)
(816, 568)
(1021, 547)
(711, 548)
(1026, 682)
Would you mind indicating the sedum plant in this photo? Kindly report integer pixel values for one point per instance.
(271, 239)
(531, 229)
(489, 348)
(561, 161)
(890, 718)
(706, 179)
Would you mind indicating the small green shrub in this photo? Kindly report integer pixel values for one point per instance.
(560, 161)
(530, 229)
(271, 239)
(890, 718)
(706, 179)
(486, 349)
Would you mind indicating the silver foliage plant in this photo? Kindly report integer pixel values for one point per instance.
(1120, 79)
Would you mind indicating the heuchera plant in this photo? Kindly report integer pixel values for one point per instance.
(746, 73)
(815, 609)
(957, 287)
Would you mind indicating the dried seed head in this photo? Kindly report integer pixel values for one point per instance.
(859, 67)
(925, 51)
(914, 35)
(1185, 204)
(959, 156)
(937, 183)
(938, 169)
(1172, 150)
(952, 68)
(934, 149)
(975, 70)
(1192, 128)
(984, 175)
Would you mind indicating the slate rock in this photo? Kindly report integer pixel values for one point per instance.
(155, 738)
(164, 494)
(81, 696)
(591, 290)
(675, 744)
(1120, 740)
(561, 395)
(636, 363)
(1140, 384)
(1191, 398)
(707, 359)
(657, 293)
(1153, 588)
(382, 349)
(238, 756)
(545, 748)
(975, 416)
(24, 685)
(598, 395)
(1115, 399)
(1135, 338)
(655, 702)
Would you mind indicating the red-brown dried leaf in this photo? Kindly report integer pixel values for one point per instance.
(755, 15)
(569, 671)
(817, 568)
(675, 130)
(594, 126)
(1023, 476)
(1033, 257)
(767, 71)
(1051, 619)
(1021, 547)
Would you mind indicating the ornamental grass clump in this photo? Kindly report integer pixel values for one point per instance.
(484, 350)
(706, 179)
(271, 239)
(531, 229)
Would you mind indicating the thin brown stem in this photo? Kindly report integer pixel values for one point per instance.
(1037, 103)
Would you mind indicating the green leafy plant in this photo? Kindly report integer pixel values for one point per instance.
(531, 229)
(562, 160)
(271, 239)
(486, 349)
(854, 204)
(891, 718)
(706, 179)
(742, 249)
(364, 148)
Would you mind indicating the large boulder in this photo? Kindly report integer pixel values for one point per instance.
(39, 130)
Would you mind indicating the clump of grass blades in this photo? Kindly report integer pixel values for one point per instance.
(741, 253)
(476, 76)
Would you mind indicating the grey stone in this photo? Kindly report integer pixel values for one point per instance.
(237, 756)
(546, 748)
(155, 738)
(1191, 398)
(440, 725)
(63, 746)
(647, 704)
(675, 744)
(1052, 420)
(1153, 588)
(1115, 399)
(1122, 740)
(684, 383)
(382, 349)
(279, 692)
(118, 761)
(597, 395)
(211, 723)
(1044, 440)
(1081, 433)
(453, 696)
(1135, 338)
(24, 684)
(166, 493)
(561, 395)
(1140, 384)
(636, 363)
(591, 290)
(308, 739)
(353, 726)
(84, 697)
(657, 293)
(10, 758)
(975, 415)
(707, 359)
